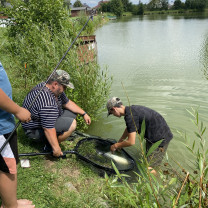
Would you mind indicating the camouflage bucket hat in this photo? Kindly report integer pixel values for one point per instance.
(113, 102)
(62, 78)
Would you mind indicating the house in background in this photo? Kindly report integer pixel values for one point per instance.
(75, 11)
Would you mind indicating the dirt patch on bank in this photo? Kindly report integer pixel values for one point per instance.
(71, 170)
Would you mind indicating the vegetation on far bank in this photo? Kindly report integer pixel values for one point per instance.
(119, 7)
(172, 12)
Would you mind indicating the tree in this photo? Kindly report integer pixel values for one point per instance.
(158, 5)
(154, 5)
(199, 5)
(126, 5)
(117, 7)
(67, 4)
(177, 4)
(3, 2)
(35, 12)
(164, 4)
(140, 8)
(77, 3)
(130, 7)
(105, 7)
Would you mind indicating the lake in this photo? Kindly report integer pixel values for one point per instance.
(157, 61)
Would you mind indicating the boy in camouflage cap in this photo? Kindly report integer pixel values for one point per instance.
(156, 128)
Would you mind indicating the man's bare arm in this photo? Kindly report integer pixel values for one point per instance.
(53, 140)
(72, 106)
(126, 143)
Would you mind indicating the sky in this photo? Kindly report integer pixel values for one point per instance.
(93, 3)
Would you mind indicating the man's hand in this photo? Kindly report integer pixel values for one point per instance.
(72, 106)
(57, 152)
(113, 148)
(87, 119)
(52, 139)
(10, 106)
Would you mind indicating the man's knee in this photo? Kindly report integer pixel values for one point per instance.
(73, 125)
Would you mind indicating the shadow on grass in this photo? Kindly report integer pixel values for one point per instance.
(25, 145)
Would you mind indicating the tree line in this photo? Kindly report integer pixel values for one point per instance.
(118, 7)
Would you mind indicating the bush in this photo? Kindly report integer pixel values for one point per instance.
(42, 55)
(25, 14)
(39, 42)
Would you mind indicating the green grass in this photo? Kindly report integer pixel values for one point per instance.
(3, 57)
(48, 181)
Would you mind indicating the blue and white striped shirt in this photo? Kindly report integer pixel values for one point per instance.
(46, 109)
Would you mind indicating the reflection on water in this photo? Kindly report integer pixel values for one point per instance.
(204, 57)
(157, 58)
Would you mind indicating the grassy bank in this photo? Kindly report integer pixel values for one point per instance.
(55, 183)
(49, 182)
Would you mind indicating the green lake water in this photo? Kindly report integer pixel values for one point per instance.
(158, 61)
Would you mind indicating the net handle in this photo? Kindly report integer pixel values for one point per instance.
(45, 153)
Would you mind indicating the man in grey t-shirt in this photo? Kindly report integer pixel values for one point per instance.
(156, 128)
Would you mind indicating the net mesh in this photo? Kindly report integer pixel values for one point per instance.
(98, 152)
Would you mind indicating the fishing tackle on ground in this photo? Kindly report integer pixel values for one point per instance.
(95, 151)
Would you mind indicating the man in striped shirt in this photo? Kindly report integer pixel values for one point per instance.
(53, 114)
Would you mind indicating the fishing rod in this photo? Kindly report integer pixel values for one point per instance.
(18, 123)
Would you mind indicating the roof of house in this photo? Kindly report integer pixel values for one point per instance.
(78, 8)
(86, 5)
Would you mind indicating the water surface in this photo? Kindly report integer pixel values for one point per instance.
(157, 62)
